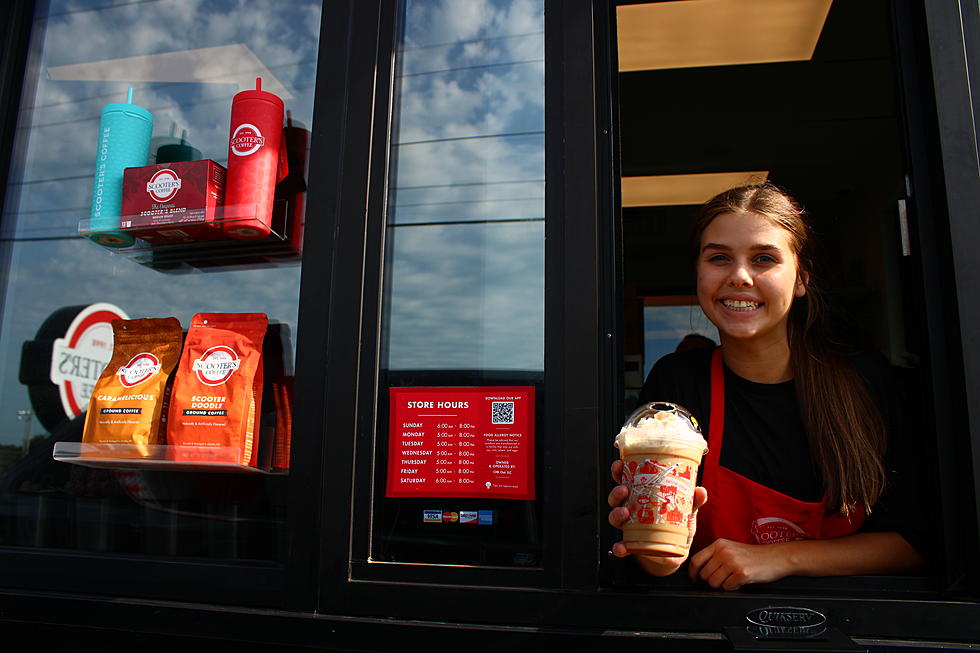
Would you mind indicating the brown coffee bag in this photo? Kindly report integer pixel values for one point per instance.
(217, 390)
(127, 401)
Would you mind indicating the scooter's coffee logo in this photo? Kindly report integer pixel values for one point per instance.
(246, 139)
(163, 185)
(769, 530)
(77, 360)
(216, 365)
(140, 368)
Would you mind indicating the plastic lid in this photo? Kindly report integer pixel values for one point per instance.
(662, 418)
(258, 94)
(128, 107)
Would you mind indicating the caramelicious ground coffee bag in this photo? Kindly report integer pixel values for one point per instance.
(128, 397)
(217, 392)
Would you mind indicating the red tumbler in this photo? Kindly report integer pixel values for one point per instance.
(253, 163)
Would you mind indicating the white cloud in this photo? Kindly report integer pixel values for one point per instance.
(469, 296)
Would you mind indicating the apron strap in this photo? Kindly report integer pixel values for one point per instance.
(716, 420)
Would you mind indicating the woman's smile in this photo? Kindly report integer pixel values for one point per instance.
(747, 278)
(740, 305)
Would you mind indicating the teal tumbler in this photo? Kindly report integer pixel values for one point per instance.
(124, 142)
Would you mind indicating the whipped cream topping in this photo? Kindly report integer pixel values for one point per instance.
(650, 426)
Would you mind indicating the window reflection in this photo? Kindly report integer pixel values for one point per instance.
(666, 322)
(185, 59)
(466, 217)
(463, 302)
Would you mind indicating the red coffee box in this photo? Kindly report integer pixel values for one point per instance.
(175, 202)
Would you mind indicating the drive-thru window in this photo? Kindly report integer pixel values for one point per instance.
(466, 245)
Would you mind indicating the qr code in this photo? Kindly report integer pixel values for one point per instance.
(502, 412)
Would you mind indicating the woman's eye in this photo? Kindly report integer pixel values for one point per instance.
(717, 258)
(765, 258)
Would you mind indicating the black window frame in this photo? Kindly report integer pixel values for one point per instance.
(334, 418)
(208, 581)
(578, 136)
(954, 52)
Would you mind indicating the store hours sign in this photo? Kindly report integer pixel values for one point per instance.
(461, 442)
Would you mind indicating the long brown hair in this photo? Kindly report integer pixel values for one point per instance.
(843, 425)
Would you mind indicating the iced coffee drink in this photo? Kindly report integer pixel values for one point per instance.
(661, 448)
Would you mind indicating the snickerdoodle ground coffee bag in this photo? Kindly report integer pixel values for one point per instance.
(217, 392)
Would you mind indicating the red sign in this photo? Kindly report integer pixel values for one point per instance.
(461, 442)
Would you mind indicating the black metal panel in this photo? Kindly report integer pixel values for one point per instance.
(402, 605)
(936, 301)
(609, 155)
(560, 440)
(15, 35)
(142, 577)
(578, 620)
(16, 31)
(355, 113)
(217, 581)
(961, 192)
(313, 381)
(581, 236)
(573, 333)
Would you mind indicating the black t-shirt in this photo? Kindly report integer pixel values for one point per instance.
(765, 441)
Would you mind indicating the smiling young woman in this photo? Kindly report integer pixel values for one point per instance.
(843, 425)
(796, 431)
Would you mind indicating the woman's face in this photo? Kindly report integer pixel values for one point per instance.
(748, 277)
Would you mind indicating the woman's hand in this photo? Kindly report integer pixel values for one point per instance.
(729, 565)
(653, 565)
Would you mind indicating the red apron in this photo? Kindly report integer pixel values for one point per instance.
(742, 510)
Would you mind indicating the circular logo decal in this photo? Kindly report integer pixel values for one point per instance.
(246, 139)
(216, 365)
(77, 360)
(140, 368)
(163, 185)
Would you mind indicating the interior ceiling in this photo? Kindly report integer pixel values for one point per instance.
(671, 190)
(656, 35)
(825, 129)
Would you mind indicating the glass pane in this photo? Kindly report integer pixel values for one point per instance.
(672, 327)
(463, 302)
(184, 60)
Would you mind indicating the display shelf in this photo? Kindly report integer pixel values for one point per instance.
(210, 252)
(160, 457)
